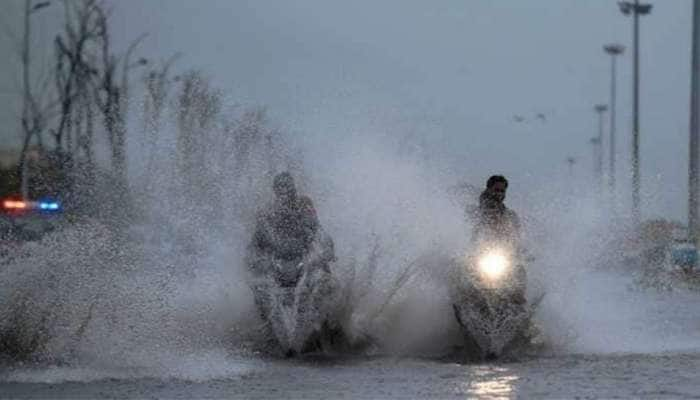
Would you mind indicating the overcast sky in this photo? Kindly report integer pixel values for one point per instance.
(451, 73)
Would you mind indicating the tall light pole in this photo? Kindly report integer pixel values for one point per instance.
(694, 162)
(613, 50)
(596, 145)
(635, 9)
(600, 109)
(571, 161)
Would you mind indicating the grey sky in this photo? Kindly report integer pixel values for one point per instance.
(451, 72)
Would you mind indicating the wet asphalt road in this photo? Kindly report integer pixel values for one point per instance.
(575, 376)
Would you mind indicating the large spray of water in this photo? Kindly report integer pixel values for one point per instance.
(165, 294)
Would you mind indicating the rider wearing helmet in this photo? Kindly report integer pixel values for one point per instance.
(288, 245)
(287, 229)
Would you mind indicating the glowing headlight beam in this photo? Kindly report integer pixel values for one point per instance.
(493, 265)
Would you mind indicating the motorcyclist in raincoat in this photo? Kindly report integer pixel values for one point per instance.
(288, 228)
(289, 258)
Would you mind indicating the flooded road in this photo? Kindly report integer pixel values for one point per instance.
(162, 333)
(577, 376)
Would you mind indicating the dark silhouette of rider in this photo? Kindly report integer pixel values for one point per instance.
(495, 221)
(287, 229)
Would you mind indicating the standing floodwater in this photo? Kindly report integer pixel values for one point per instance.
(666, 376)
(268, 199)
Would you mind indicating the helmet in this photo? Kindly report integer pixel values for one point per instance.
(283, 184)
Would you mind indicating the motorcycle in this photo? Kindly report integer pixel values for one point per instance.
(489, 299)
(298, 301)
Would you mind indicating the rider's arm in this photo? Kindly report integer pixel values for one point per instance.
(516, 232)
(515, 221)
(309, 214)
(313, 226)
(259, 248)
(261, 242)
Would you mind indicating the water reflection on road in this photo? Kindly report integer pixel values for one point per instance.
(488, 382)
(657, 376)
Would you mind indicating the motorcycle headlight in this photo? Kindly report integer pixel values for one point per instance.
(493, 265)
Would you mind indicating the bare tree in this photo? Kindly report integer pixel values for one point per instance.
(198, 107)
(112, 93)
(34, 108)
(250, 133)
(158, 85)
(73, 72)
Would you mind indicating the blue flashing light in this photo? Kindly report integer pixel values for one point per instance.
(52, 206)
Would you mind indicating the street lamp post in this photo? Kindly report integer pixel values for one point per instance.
(613, 50)
(600, 109)
(635, 9)
(571, 161)
(694, 161)
(596, 145)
